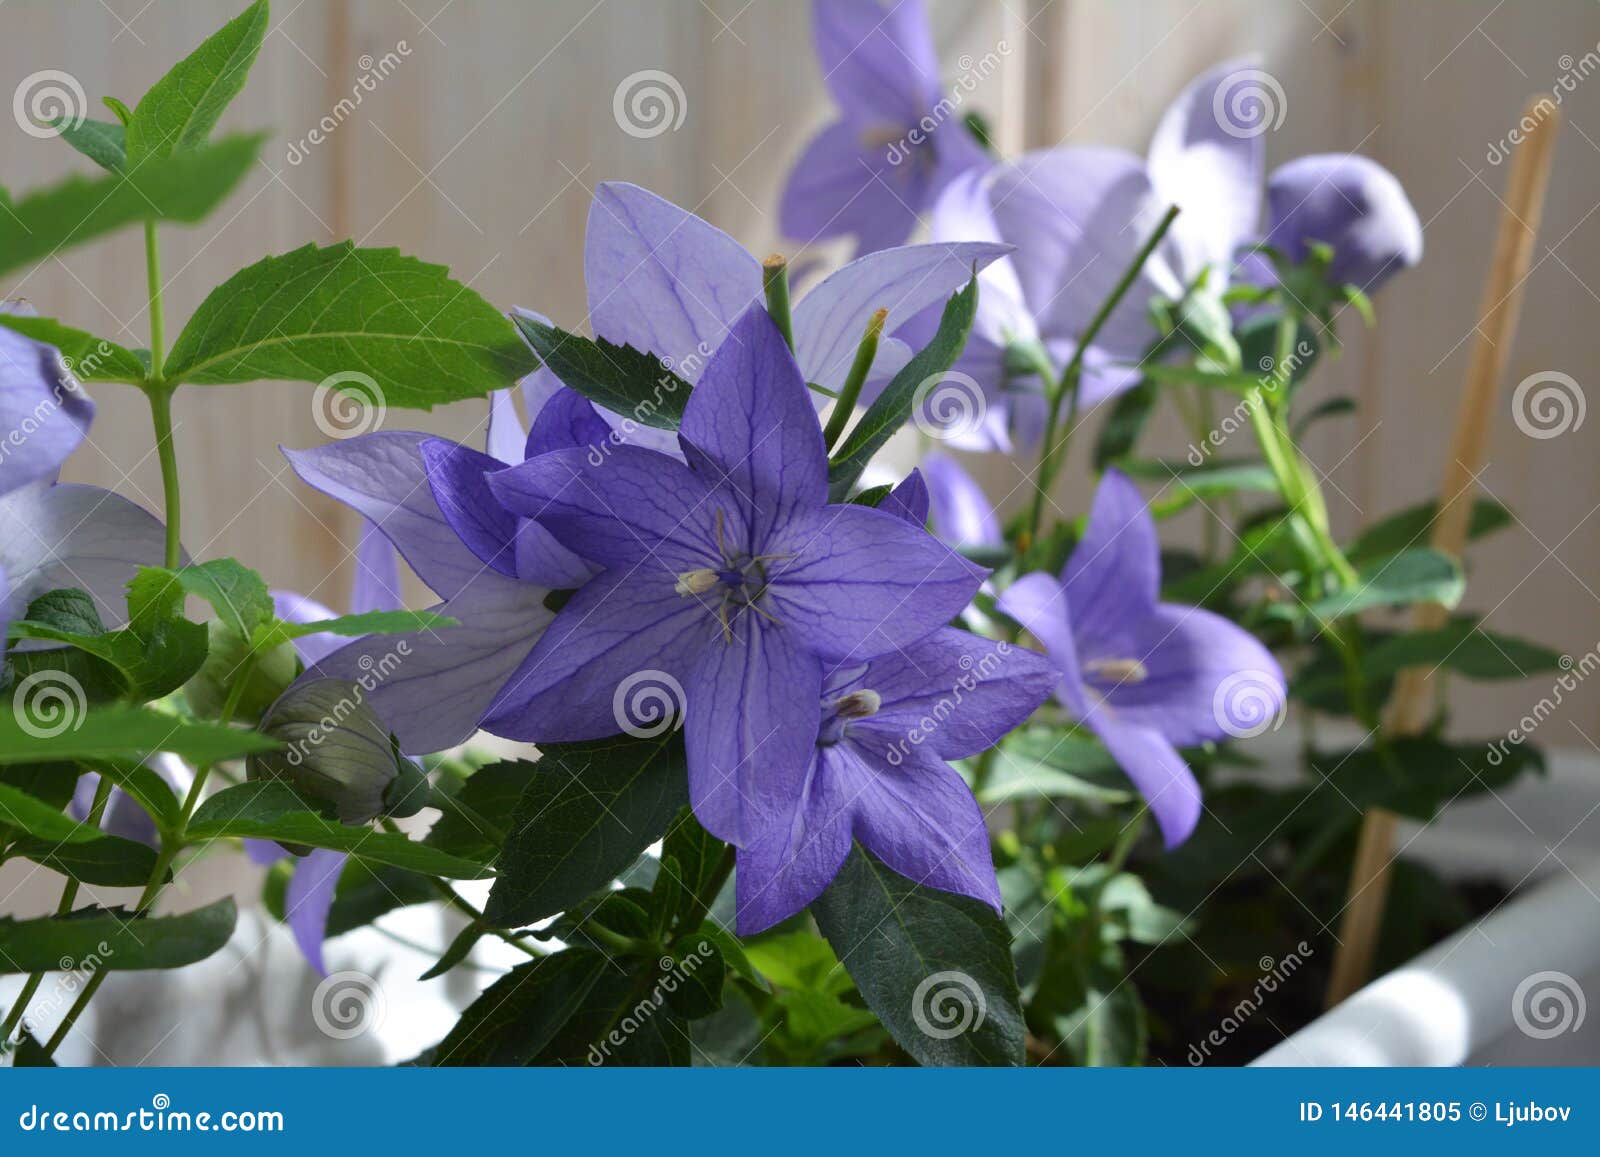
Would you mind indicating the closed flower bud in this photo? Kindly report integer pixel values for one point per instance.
(207, 690)
(335, 750)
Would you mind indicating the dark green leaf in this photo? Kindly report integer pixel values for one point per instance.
(1410, 527)
(934, 966)
(386, 328)
(108, 939)
(904, 392)
(1122, 428)
(1330, 408)
(272, 811)
(588, 811)
(491, 791)
(181, 109)
(630, 382)
(130, 732)
(367, 891)
(519, 1014)
(110, 861)
(180, 188)
(459, 949)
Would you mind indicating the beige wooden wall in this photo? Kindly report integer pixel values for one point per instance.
(480, 148)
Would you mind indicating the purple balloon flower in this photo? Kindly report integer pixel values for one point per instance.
(1147, 677)
(879, 774)
(728, 576)
(898, 140)
(959, 511)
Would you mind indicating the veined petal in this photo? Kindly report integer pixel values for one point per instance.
(308, 900)
(432, 687)
(505, 439)
(662, 280)
(750, 727)
(858, 582)
(846, 184)
(381, 475)
(954, 693)
(566, 421)
(962, 514)
(458, 477)
(792, 863)
(909, 500)
(1039, 603)
(751, 431)
(877, 59)
(1114, 575)
(624, 508)
(615, 628)
(63, 535)
(376, 586)
(44, 413)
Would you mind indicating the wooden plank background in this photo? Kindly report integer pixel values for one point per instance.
(480, 146)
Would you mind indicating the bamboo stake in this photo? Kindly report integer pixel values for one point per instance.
(1408, 715)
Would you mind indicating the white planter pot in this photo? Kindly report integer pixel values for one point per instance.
(1513, 988)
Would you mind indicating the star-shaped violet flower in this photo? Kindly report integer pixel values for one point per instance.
(898, 140)
(879, 774)
(1147, 677)
(731, 574)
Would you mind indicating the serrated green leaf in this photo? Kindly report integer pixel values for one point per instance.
(935, 967)
(1412, 576)
(238, 594)
(588, 811)
(103, 142)
(114, 940)
(108, 861)
(181, 109)
(272, 811)
(180, 188)
(893, 407)
(491, 791)
(89, 358)
(634, 383)
(388, 328)
(519, 1014)
(127, 732)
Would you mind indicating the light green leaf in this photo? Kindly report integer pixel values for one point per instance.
(181, 188)
(114, 940)
(124, 732)
(181, 109)
(238, 594)
(1412, 576)
(351, 626)
(389, 329)
(272, 811)
(90, 358)
(103, 142)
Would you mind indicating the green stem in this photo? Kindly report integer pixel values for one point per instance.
(775, 283)
(69, 896)
(160, 392)
(845, 405)
(1060, 389)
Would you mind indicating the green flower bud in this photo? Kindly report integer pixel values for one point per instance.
(226, 653)
(335, 750)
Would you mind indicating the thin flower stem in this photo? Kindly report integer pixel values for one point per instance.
(160, 392)
(1066, 387)
(69, 896)
(845, 404)
(775, 283)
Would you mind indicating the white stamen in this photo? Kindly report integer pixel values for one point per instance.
(1118, 670)
(696, 582)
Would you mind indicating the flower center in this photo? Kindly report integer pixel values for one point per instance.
(737, 583)
(1116, 670)
(838, 713)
